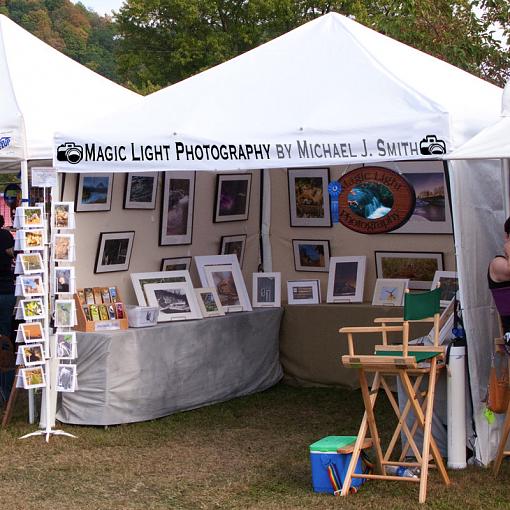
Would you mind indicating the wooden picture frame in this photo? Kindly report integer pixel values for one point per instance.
(232, 197)
(390, 291)
(308, 197)
(209, 302)
(140, 190)
(448, 283)
(176, 301)
(266, 290)
(114, 251)
(177, 204)
(303, 292)
(94, 192)
(346, 279)
(140, 280)
(419, 267)
(175, 264)
(235, 245)
(311, 255)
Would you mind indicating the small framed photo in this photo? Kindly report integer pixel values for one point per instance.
(32, 217)
(449, 285)
(418, 267)
(303, 292)
(31, 263)
(311, 255)
(234, 245)
(31, 332)
(31, 285)
(177, 202)
(114, 251)
(64, 313)
(64, 280)
(65, 345)
(33, 354)
(66, 377)
(232, 197)
(32, 308)
(33, 377)
(176, 301)
(309, 197)
(63, 247)
(346, 279)
(390, 292)
(176, 264)
(266, 290)
(140, 190)
(94, 192)
(209, 302)
(62, 215)
(141, 280)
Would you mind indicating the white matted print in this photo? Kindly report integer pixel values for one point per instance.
(33, 377)
(234, 245)
(64, 280)
(31, 332)
(311, 255)
(346, 279)
(140, 190)
(303, 292)
(66, 377)
(30, 286)
(64, 313)
(176, 301)
(30, 217)
(31, 263)
(32, 308)
(448, 283)
(232, 197)
(63, 247)
(62, 215)
(266, 291)
(32, 354)
(176, 226)
(94, 192)
(140, 280)
(390, 291)
(228, 281)
(209, 302)
(65, 345)
(33, 239)
(114, 251)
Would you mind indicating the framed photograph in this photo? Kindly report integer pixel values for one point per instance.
(140, 280)
(33, 354)
(31, 263)
(449, 285)
(32, 217)
(177, 204)
(209, 302)
(176, 264)
(63, 247)
(311, 255)
(346, 279)
(32, 308)
(66, 377)
(176, 301)
(94, 192)
(114, 251)
(62, 215)
(418, 267)
(309, 197)
(303, 292)
(390, 292)
(65, 345)
(432, 211)
(266, 290)
(64, 280)
(140, 190)
(234, 245)
(64, 313)
(33, 377)
(224, 284)
(232, 197)
(31, 332)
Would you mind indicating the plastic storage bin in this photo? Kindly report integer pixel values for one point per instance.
(324, 458)
(142, 316)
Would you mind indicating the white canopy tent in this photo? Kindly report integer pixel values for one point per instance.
(331, 92)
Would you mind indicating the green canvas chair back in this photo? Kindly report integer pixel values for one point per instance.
(422, 306)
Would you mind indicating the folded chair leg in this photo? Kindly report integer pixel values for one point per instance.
(502, 442)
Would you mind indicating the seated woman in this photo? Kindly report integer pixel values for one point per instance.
(498, 277)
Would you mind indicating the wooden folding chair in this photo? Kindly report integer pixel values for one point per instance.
(409, 363)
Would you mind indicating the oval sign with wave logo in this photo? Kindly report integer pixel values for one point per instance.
(375, 200)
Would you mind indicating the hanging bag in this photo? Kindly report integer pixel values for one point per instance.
(499, 391)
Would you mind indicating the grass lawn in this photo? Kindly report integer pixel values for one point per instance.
(250, 452)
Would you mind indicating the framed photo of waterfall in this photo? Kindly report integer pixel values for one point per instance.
(308, 197)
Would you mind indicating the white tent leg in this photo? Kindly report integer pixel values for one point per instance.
(505, 179)
(267, 258)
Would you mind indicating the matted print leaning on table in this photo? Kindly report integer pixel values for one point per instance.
(449, 284)
(309, 198)
(266, 290)
(140, 280)
(390, 291)
(346, 279)
(176, 301)
(303, 292)
(140, 190)
(177, 202)
(419, 267)
(209, 302)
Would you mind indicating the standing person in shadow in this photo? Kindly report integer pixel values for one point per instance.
(7, 298)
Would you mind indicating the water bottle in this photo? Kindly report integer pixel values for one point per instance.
(400, 471)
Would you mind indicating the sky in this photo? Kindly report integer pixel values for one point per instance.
(102, 6)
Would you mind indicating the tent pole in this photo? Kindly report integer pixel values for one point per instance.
(505, 179)
(265, 227)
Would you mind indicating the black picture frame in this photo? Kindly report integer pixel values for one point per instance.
(145, 186)
(300, 255)
(232, 202)
(113, 255)
(88, 184)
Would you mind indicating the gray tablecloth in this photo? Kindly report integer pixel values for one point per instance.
(142, 374)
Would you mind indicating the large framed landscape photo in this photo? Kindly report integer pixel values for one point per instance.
(94, 192)
(140, 190)
(232, 197)
(114, 251)
(418, 267)
(177, 208)
(309, 198)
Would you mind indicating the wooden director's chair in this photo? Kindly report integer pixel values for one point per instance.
(410, 364)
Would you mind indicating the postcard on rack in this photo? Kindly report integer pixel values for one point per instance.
(66, 377)
(33, 377)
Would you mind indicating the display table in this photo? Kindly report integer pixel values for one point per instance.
(146, 373)
(311, 347)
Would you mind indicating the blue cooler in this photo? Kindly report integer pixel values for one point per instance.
(327, 462)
